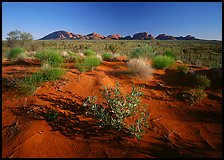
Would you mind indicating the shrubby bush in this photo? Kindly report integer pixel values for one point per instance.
(88, 63)
(144, 52)
(89, 52)
(169, 53)
(107, 56)
(117, 109)
(202, 81)
(52, 57)
(183, 69)
(161, 62)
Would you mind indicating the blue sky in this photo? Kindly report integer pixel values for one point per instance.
(200, 19)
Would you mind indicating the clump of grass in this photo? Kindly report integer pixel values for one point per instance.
(140, 67)
(52, 57)
(191, 96)
(182, 69)
(107, 56)
(144, 52)
(89, 52)
(161, 61)
(202, 81)
(88, 63)
(28, 84)
(169, 53)
(14, 53)
(117, 109)
(21, 57)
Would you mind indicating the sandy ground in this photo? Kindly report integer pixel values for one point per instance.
(177, 129)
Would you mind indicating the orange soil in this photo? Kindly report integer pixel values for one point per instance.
(176, 128)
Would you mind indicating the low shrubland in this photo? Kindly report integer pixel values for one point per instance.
(117, 109)
(161, 62)
(139, 66)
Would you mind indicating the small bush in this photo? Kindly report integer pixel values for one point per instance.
(107, 57)
(21, 57)
(161, 62)
(169, 53)
(89, 52)
(117, 109)
(88, 64)
(14, 53)
(140, 67)
(144, 52)
(202, 81)
(182, 69)
(53, 58)
(191, 96)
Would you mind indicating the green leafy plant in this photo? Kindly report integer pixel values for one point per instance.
(117, 109)
(111, 47)
(51, 115)
(52, 57)
(14, 53)
(88, 63)
(161, 62)
(202, 81)
(145, 52)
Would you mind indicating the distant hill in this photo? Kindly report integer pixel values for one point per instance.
(61, 35)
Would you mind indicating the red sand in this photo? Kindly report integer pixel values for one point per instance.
(191, 131)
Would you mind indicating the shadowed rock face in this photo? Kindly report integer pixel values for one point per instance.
(141, 36)
(58, 35)
(165, 37)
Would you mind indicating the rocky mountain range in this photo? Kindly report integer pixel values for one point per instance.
(62, 35)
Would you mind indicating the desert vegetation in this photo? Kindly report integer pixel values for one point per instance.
(91, 91)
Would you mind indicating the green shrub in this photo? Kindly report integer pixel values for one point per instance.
(52, 57)
(192, 95)
(182, 69)
(107, 57)
(169, 53)
(111, 47)
(202, 81)
(14, 53)
(88, 63)
(145, 52)
(89, 52)
(117, 109)
(161, 62)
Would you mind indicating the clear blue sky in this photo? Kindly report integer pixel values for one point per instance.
(200, 19)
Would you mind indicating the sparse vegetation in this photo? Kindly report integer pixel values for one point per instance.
(161, 62)
(117, 109)
(140, 67)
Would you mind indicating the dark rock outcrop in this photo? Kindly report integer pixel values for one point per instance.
(58, 35)
(141, 36)
(165, 37)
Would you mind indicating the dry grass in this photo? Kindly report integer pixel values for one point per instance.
(140, 67)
